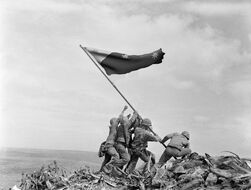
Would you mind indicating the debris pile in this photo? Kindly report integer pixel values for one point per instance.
(193, 172)
(205, 172)
(54, 177)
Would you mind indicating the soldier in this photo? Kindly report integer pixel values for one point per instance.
(139, 144)
(111, 154)
(107, 148)
(121, 143)
(177, 147)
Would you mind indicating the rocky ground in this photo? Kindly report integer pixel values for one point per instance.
(194, 172)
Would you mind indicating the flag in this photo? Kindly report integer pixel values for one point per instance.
(119, 63)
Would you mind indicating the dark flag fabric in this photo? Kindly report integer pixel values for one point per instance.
(119, 63)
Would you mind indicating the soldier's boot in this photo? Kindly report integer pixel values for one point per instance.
(107, 168)
(115, 172)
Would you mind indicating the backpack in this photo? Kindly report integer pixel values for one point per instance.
(102, 149)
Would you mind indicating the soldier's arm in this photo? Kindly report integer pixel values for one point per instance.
(148, 136)
(126, 125)
(186, 145)
(134, 117)
(134, 120)
(121, 115)
(167, 137)
(136, 123)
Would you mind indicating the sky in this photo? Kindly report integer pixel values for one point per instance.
(53, 97)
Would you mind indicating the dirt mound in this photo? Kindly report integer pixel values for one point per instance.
(193, 172)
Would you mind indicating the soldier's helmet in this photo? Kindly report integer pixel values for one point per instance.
(186, 134)
(113, 120)
(146, 122)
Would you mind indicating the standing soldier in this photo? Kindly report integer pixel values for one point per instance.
(139, 144)
(122, 140)
(177, 147)
(111, 154)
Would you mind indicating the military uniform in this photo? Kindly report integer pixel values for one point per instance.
(121, 142)
(111, 154)
(123, 139)
(138, 148)
(177, 147)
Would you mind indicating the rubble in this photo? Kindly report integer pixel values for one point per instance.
(193, 172)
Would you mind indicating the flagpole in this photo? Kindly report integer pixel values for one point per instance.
(94, 61)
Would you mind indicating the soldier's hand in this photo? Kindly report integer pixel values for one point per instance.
(159, 139)
(136, 113)
(124, 109)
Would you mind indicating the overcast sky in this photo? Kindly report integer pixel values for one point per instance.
(53, 97)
